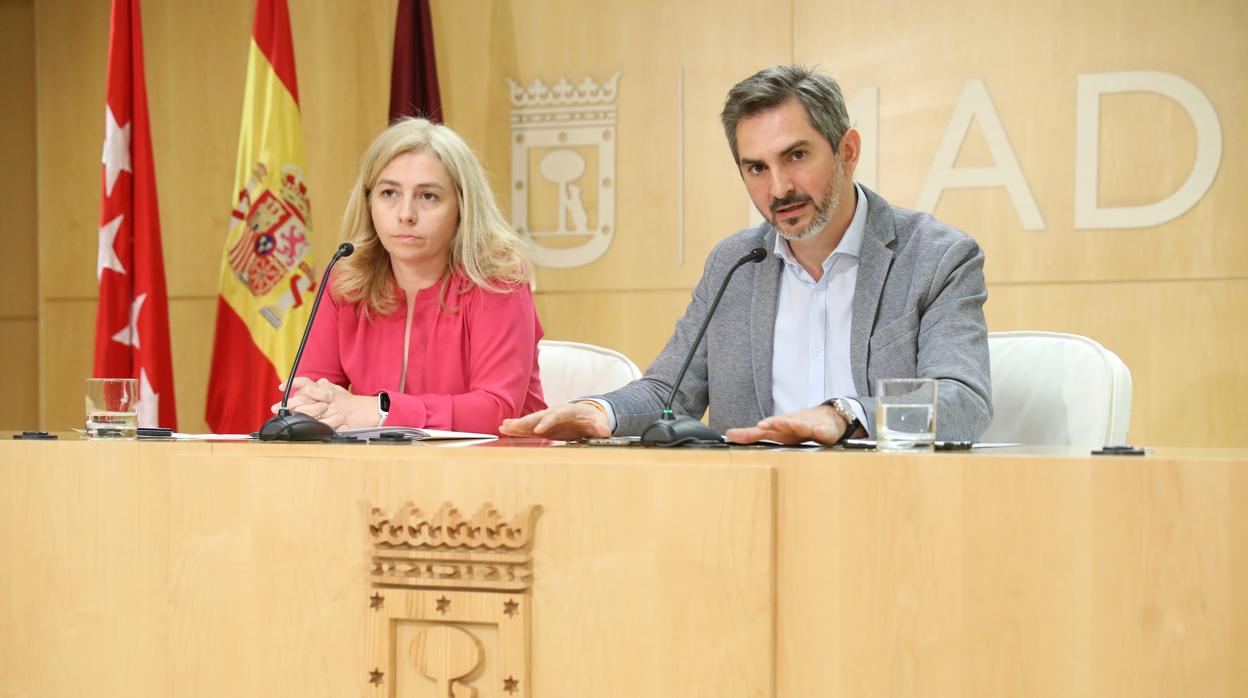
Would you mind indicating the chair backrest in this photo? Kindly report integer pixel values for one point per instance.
(1052, 388)
(572, 369)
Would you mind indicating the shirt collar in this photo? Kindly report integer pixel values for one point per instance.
(851, 242)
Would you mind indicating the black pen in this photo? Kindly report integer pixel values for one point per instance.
(155, 432)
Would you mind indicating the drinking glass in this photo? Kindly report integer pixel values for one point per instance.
(112, 408)
(905, 416)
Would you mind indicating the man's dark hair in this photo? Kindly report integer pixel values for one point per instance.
(769, 88)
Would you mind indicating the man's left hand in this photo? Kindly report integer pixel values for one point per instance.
(822, 424)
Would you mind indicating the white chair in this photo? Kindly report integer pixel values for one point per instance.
(1052, 388)
(572, 369)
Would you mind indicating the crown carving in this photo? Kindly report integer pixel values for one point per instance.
(563, 93)
(447, 528)
(446, 549)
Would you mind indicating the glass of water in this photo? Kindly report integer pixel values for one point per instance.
(112, 408)
(905, 417)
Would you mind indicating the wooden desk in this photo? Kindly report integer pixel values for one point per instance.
(198, 569)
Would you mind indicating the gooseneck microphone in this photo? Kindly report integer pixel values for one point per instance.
(296, 426)
(670, 429)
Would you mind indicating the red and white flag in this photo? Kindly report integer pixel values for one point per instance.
(132, 321)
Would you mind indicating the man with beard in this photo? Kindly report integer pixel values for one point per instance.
(853, 290)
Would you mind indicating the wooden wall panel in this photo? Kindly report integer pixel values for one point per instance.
(1180, 340)
(650, 43)
(129, 651)
(1147, 141)
(640, 324)
(1171, 323)
(1170, 625)
(344, 50)
(999, 575)
(1178, 318)
(19, 310)
(191, 324)
(71, 45)
(18, 277)
(195, 126)
(196, 569)
(19, 406)
(844, 630)
(203, 574)
(67, 350)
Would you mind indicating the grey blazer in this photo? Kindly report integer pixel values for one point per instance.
(917, 311)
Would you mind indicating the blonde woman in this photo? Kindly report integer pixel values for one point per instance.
(431, 322)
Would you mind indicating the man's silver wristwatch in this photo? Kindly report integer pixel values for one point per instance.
(843, 407)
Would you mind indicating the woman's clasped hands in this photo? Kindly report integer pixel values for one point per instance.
(331, 403)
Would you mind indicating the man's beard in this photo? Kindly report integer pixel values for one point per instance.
(824, 210)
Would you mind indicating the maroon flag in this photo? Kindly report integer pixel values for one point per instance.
(132, 319)
(414, 75)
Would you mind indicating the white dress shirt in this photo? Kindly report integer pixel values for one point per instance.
(810, 354)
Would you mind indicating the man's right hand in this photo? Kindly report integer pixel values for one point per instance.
(567, 422)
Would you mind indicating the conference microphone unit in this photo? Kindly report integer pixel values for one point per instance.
(296, 426)
(673, 430)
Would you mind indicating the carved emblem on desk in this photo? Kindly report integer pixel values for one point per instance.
(449, 608)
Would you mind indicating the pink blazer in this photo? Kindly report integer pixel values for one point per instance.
(466, 371)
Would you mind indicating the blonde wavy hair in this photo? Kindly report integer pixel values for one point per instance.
(485, 249)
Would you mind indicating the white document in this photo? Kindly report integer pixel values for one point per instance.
(414, 433)
(362, 433)
(940, 445)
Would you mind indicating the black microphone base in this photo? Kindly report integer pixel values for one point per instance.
(679, 431)
(295, 426)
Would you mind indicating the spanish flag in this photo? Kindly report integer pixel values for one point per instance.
(267, 281)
